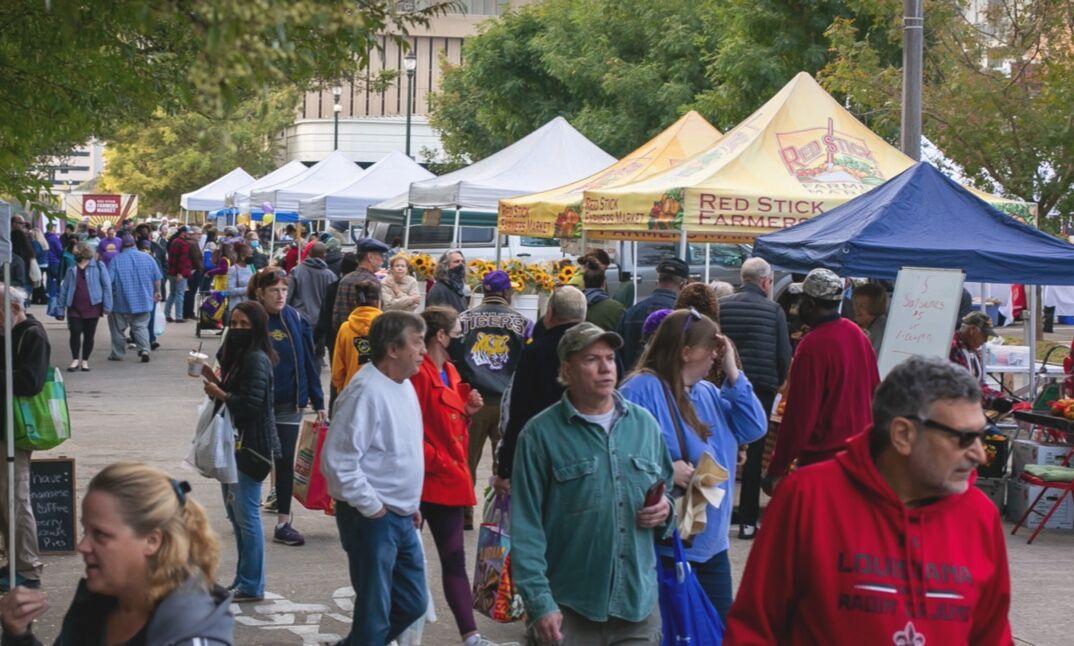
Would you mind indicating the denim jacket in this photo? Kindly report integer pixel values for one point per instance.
(97, 280)
(576, 491)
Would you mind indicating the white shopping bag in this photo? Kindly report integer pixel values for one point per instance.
(213, 449)
(159, 320)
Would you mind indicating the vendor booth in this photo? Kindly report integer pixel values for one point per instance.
(213, 196)
(239, 199)
(799, 155)
(388, 177)
(553, 155)
(326, 176)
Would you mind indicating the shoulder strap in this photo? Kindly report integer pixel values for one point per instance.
(676, 417)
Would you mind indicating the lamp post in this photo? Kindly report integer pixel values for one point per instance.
(337, 91)
(410, 61)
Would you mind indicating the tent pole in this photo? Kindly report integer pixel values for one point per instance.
(272, 238)
(682, 246)
(1032, 301)
(455, 237)
(499, 246)
(583, 241)
(634, 272)
(708, 259)
(406, 227)
(9, 425)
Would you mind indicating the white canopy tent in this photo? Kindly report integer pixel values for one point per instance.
(240, 197)
(389, 176)
(213, 195)
(326, 176)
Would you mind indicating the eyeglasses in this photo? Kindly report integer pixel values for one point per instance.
(694, 315)
(965, 438)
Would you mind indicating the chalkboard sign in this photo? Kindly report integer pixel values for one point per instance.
(921, 319)
(52, 494)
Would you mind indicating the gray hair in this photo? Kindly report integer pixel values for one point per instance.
(754, 270)
(568, 305)
(18, 295)
(389, 331)
(913, 386)
(442, 264)
(722, 288)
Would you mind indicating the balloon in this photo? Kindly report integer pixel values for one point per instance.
(268, 207)
(267, 218)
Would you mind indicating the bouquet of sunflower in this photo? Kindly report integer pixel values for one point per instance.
(476, 270)
(423, 265)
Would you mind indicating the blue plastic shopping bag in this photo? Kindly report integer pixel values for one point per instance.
(685, 610)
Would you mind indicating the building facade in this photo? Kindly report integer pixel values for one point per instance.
(372, 122)
(83, 164)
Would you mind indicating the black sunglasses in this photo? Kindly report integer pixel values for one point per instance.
(965, 438)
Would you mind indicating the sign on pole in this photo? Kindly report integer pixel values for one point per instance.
(921, 319)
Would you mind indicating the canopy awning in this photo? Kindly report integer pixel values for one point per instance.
(390, 176)
(326, 176)
(213, 195)
(921, 218)
(557, 213)
(240, 197)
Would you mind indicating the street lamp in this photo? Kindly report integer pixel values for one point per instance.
(337, 91)
(410, 61)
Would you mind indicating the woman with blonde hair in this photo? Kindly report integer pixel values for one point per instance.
(399, 290)
(150, 560)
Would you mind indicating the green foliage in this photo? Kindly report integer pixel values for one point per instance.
(72, 69)
(1008, 124)
(169, 155)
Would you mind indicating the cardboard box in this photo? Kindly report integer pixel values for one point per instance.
(995, 489)
(1032, 452)
(1020, 494)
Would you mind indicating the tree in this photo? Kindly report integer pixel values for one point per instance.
(619, 72)
(997, 95)
(172, 154)
(72, 69)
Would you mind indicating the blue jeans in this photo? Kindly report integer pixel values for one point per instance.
(242, 501)
(714, 575)
(176, 293)
(387, 574)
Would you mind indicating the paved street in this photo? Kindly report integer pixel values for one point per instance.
(131, 411)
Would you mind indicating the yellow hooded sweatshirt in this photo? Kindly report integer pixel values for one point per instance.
(352, 349)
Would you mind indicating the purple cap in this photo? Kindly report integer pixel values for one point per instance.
(653, 321)
(496, 282)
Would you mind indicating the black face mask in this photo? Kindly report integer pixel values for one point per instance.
(237, 342)
(457, 273)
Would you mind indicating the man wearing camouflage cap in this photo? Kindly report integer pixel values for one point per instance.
(970, 337)
(581, 532)
(831, 382)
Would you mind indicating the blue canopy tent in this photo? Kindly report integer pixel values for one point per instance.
(922, 218)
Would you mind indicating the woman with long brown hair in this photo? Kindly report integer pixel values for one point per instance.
(151, 561)
(697, 417)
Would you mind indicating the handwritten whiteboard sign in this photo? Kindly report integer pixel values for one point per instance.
(921, 319)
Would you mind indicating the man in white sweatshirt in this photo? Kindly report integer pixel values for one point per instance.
(374, 463)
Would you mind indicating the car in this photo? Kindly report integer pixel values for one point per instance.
(476, 242)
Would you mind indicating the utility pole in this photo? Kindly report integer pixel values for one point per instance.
(913, 22)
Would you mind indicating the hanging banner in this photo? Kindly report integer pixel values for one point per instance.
(100, 208)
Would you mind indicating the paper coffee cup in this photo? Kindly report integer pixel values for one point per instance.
(194, 362)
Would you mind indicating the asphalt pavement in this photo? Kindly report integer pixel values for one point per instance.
(133, 411)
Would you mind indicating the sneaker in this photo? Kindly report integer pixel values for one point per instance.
(288, 535)
(154, 345)
(478, 640)
(269, 506)
(114, 358)
(242, 597)
(747, 532)
(5, 584)
(144, 356)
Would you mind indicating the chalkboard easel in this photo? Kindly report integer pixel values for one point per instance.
(52, 496)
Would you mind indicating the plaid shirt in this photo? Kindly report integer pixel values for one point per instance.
(133, 276)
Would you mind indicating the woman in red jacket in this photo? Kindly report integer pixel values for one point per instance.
(446, 407)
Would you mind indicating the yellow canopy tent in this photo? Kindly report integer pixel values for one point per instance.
(798, 155)
(556, 213)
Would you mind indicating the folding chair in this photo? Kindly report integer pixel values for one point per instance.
(1066, 487)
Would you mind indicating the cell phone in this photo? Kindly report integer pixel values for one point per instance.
(655, 493)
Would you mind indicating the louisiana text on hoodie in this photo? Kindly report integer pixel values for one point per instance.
(841, 560)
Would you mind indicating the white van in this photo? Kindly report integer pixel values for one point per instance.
(477, 242)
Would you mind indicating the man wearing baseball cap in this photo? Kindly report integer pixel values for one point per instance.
(671, 275)
(581, 533)
(830, 385)
(970, 337)
(493, 335)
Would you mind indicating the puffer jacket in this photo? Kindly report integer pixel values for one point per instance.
(250, 401)
(758, 328)
(352, 349)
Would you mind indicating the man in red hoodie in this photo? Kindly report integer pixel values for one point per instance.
(888, 543)
(831, 382)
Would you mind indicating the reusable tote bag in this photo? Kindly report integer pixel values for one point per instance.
(311, 488)
(495, 595)
(686, 612)
(42, 421)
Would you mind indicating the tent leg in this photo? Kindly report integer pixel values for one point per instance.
(1032, 302)
(499, 246)
(272, 238)
(406, 228)
(634, 270)
(682, 247)
(9, 425)
(583, 242)
(708, 261)
(456, 237)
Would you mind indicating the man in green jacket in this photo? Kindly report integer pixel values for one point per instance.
(601, 309)
(582, 538)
